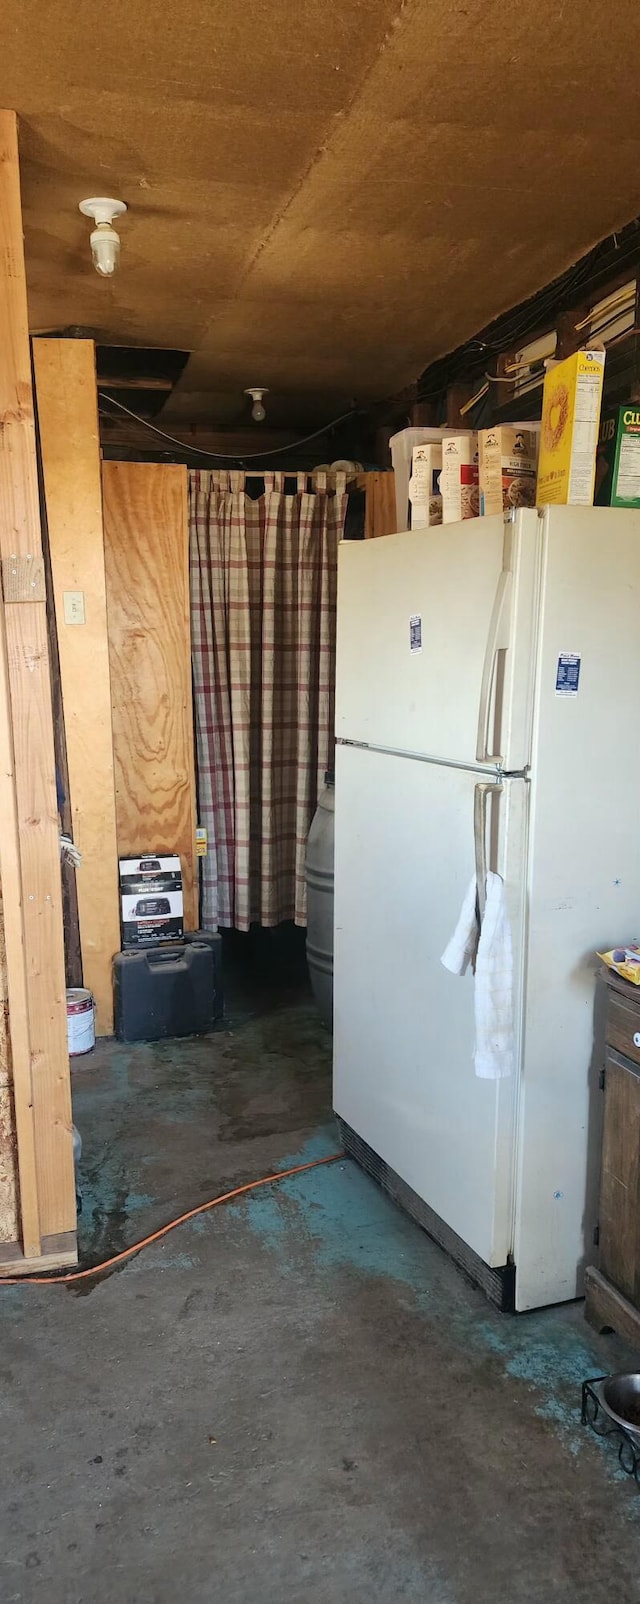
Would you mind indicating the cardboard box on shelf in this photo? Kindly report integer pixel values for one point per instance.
(424, 486)
(618, 458)
(401, 447)
(571, 401)
(459, 477)
(507, 466)
(151, 900)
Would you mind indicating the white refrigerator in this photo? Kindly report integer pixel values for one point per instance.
(487, 715)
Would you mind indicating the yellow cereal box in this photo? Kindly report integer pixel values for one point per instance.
(571, 402)
(508, 456)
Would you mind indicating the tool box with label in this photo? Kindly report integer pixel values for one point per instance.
(151, 900)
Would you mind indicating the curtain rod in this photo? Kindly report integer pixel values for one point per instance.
(329, 474)
(287, 473)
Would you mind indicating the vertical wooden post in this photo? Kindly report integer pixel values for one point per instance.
(383, 454)
(24, 605)
(65, 376)
(10, 879)
(380, 503)
(457, 395)
(424, 414)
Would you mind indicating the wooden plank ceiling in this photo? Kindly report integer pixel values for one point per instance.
(323, 198)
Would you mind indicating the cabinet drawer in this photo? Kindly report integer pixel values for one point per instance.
(623, 1026)
(620, 1178)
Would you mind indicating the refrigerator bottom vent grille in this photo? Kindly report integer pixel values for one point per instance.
(498, 1284)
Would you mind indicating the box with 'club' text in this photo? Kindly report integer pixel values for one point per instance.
(618, 458)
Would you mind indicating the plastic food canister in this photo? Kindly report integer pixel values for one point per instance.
(81, 1030)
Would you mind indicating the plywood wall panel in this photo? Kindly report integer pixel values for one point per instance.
(68, 422)
(147, 574)
(380, 502)
(9, 1215)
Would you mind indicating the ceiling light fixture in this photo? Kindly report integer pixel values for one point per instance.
(258, 412)
(105, 243)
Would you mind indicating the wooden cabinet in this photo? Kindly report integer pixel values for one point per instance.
(613, 1289)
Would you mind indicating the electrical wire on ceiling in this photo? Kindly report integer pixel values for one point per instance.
(228, 456)
(510, 329)
(610, 254)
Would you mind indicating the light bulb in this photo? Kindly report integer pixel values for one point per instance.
(105, 243)
(105, 249)
(258, 412)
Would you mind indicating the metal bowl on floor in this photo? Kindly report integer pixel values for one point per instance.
(621, 1399)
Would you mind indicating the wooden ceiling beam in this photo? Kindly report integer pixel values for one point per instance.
(132, 382)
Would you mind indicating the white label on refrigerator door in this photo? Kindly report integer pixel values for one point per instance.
(568, 674)
(415, 633)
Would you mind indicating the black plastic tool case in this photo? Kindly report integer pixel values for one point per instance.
(168, 991)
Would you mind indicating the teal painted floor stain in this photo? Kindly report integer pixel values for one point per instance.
(347, 1221)
(334, 1217)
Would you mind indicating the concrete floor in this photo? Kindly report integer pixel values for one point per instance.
(295, 1398)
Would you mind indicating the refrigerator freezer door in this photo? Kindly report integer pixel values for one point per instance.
(584, 878)
(436, 641)
(403, 1026)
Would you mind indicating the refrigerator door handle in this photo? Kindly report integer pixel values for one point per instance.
(498, 640)
(481, 795)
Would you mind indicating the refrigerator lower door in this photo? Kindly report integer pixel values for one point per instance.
(404, 1076)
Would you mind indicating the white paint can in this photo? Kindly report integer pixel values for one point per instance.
(81, 1027)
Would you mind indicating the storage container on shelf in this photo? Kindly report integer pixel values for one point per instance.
(401, 446)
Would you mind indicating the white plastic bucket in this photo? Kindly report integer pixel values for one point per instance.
(81, 1026)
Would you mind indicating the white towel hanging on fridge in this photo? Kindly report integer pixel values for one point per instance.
(461, 949)
(491, 948)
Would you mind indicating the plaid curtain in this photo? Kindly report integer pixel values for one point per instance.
(263, 602)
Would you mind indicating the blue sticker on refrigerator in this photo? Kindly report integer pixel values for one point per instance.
(568, 674)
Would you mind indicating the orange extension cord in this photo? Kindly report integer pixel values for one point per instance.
(156, 1236)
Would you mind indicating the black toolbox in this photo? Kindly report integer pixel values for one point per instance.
(172, 990)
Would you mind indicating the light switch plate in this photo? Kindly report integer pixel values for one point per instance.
(73, 606)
